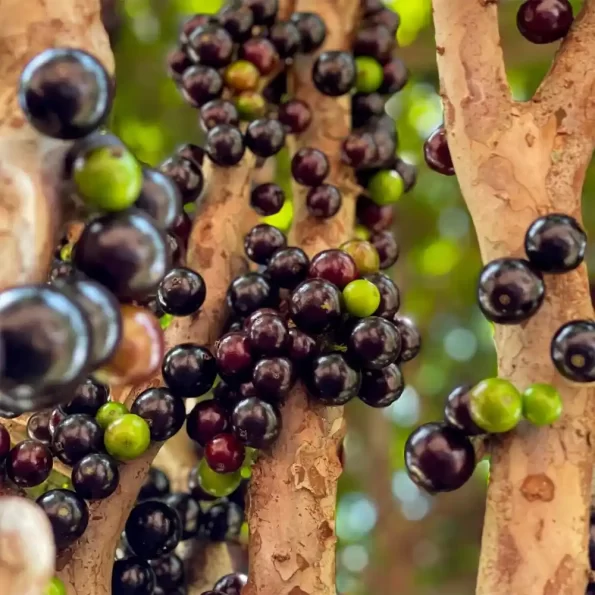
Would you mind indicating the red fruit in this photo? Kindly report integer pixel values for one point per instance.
(224, 453)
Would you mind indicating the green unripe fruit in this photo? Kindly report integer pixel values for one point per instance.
(110, 412)
(496, 405)
(250, 105)
(165, 321)
(242, 76)
(55, 587)
(542, 404)
(386, 187)
(128, 437)
(362, 298)
(360, 232)
(364, 254)
(369, 74)
(108, 178)
(217, 484)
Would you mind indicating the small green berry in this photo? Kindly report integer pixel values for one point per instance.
(128, 437)
(66, 252)
(242, 76)
(542, 404)
(386, 187)
(496, 405)
(218, 484)
(364, 254)
(362, 298)
(361, 232)
(108, 178)
(55, 587)
(109, 412)
(369, 74)
(165, 321)
(250, 105)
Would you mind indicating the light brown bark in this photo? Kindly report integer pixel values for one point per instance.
(515, 162)
(293, 490)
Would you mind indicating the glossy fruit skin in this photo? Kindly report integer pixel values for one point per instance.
(374, 217)
(375, 41)
(439, 458)
(169, 572)
(324, 201)
(387, 248)
(242, 75)
(164, 412)
(260, 52)
(256, 423)
(204, 481)
(68, 514)
(133, 576)
(365, 108)
(224, 453)
(222, 521)
(364, 255)
(542, 404)
(369, 74)
(210, 45)
(264, 11)
(495, 405)
(309, 167)
(125, 252)
(189, 512)
(89, 396)
(386, 187)
(153, 529)
(288, 267)
(95, 476)
(395, 78)
(286, 38)
(555, 243)
(262, 241)
(110, 412)
(334, 73)
(189, 370)
(156, 485)
(312, 30)
(46, 345)
(267, 199)
(75, 437)
(29, 463)
(374, 343)
(201, 84)
(140, 350)
(181, 292)
(206, 420)
(265, 138)
(457, 411)
(178, 61)
(55, 587)
(361, 298)
(573, 350)
(250, 292)
(127, 437)
(302, 348)
(332, 381)
(381, 388)
(193, 23)
(295, 115)
(544, 21)
(387, 18)
(65, 93)
(159, 197)
(273, 378)
(231, 584)
(390, 299)
(437, 153)
(334, 266)
(218, 111)
(410, 337)
(225, 145)
(38, 428)
(186, 174)
(359, 150)
(510, 290)
(407, 171)
(234, 357)
(315, 306)
(268, 335)
(238, 22)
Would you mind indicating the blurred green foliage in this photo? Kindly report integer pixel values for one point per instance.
(437, 273)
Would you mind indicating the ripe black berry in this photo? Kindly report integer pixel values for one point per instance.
(311, 28)
(510, 290)
(265, 138)
(381, 388)
(260, 52)
(395, 77)
(75, 437)
(133, 576)
(68, 514)
(231, 584)
(256, 423)
(189, 370)
(186, 174)
(210, 45)
(189, 512)
(164, 412)
(225, 145)
(222, 521)
(268, 334)
(181, 292)
(374, 343)
(315, 306)
(437, 153)
(218, 111)
(295, 115)
(206, 420)
(238, 22)
(335, 266)
(331, 380)
(250, 292)
(169, 571)
(286, 38)
(288, 267)
(375, 41)
(439, 458)
(410, 337)
(272, 378)
(201, 84)
(29, 463)
(309, 167)
(262, 241)
(95, 476)
(544, 21)
(88, 397)
(234, 358)
(359, 150)
(159, 197)
(323, 201)
(334, 73)
(156, 485)
(387, 247)
(555, 243)
(390, 298)
(457, 413)
(573, 350)
(267, 199)
(264, 11)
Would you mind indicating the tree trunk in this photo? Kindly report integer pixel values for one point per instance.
(515, 162)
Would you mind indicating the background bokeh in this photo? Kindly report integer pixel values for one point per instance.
(393, 538)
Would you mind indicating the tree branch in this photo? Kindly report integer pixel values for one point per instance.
(507, 158)
(297, 480)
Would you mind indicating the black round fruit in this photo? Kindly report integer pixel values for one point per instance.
(457, 412)
(75, 437)
(381, 388)
(249, 293)
(132, 576)
(189, 370)
(68, 514)
(189, 512)
(89, 396)
(315, 306)
(262, 241)
(159, 197)
(374, 343)
(156, 485)
(225, 145)
(332, 381)
(95, 476)
(164, 412)
(256, 423)
(181, 292)
(334, 73)
(573, 350)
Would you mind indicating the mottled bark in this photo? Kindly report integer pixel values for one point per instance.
(514, 162)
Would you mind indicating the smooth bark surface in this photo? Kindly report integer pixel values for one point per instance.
(515, 162)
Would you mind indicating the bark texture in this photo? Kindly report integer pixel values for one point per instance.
(293, 490)
(515, 162)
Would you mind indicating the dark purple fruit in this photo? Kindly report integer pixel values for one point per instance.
(573, 350)
(332, 381)
(189, 512)
(260, 52)
(159, 197)
(311, 28)
(181, 292)
(437, 153)
(410, 337)
(225, 145)
(288, 267)
(375, 41)
(374, 343)
(256, 423)
(286, 38)
(302, 348)
(133, 576)
(272, 378)
(544, 21)
(268, 334)
(222, 521)
(295, 115)
(262, 241)
(29, 463)
(169, 571)
(249, 293)
(390, 297)
(315, 306)
(324, 201)
(189, 370)
(206, 420)
(38, 428)
(234, 358)
(387, 247)
(156, 485)
(218, 111)
(89, 396)
(359, 150)
(201, 84)
(334, 73)
(95, 476)
(68, 514)
(309, 167)
(381, 388)
(439, 458)
(265, 138)
(75, 437)
(231, 584)
(178, 61)
(164, 412)
(238, 22)
(187, 175)
(267, 199)
(334, 266)
(210, 45)
(225, 453)
(457, 413)
(375, 217)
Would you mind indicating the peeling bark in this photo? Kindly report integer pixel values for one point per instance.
(293, 490)
(515, 162)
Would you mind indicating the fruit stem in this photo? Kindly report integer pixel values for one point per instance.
(540, 478)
